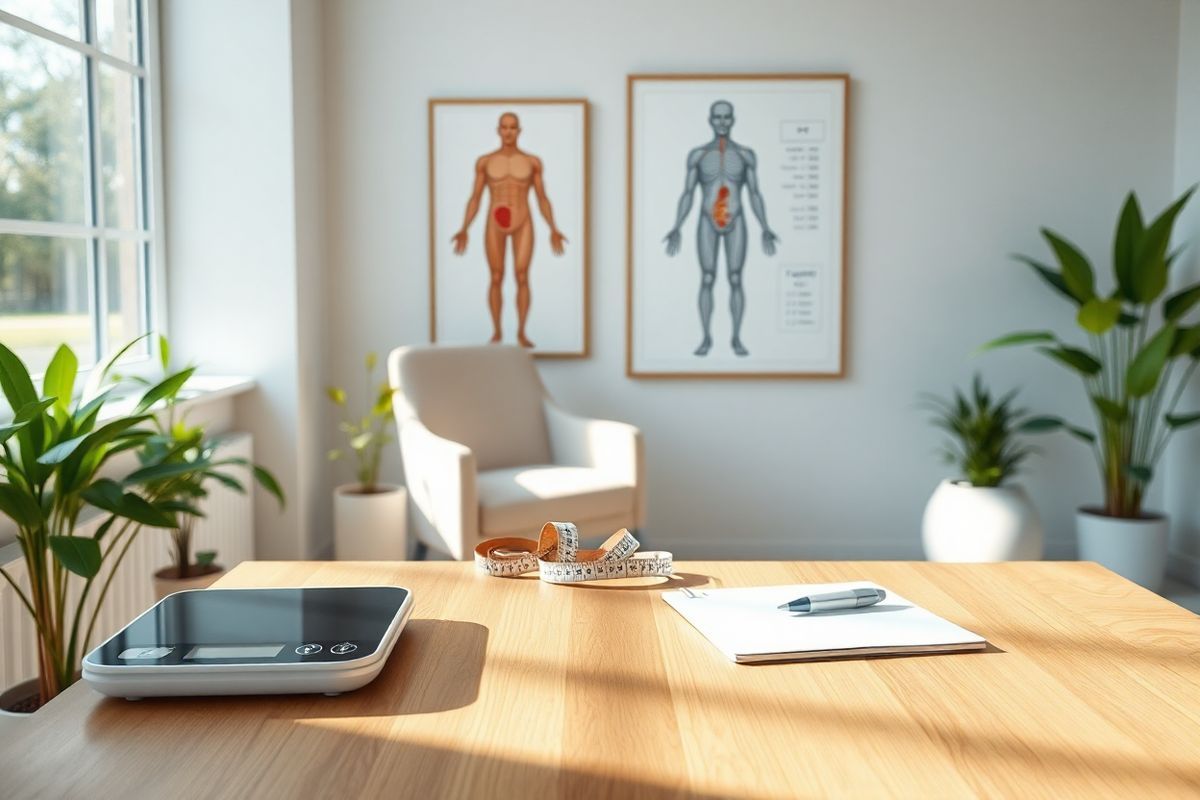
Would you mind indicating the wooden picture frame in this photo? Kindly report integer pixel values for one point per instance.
(798, 144)
(551, 169)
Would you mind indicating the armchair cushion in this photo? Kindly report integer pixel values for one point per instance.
(518, 500)
(488, 399)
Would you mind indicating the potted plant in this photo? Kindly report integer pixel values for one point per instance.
(179, 463)
(51, 455)
(1139, 357)
(369, 517)
(981, 516)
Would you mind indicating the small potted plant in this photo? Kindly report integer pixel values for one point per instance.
(982, 515)
(179, 464)
(51, 456)
(1140, 354)
(370, 518)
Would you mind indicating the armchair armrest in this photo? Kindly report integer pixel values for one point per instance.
(441, 486)
(612, 447)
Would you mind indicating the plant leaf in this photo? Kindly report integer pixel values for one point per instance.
(7, 431)
(21, 507)
(1150, 258)
(104, 494)
(338, 396)
(1050, 276)
(164, 352)
(267, 481)
(1073, 357)
(1041, 424)
(1147, 365)
(1098, 315)
(138, 509)
(205, 557)
(1181, 302)
(14, 380)
(33, 410)
(1112, 411)
(1016, 339)
(1125, 243)
(59, 380)
(166, 389)
(1076, 271)
(78, 554)
(1182, 420)
(1139, 472)
(1187, 340)
(96, 376)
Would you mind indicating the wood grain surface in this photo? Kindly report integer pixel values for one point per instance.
(515, 688)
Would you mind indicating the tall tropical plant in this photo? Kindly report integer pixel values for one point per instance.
(1140, 352)
(51, 457)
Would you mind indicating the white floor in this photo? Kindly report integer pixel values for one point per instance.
(1183, 594)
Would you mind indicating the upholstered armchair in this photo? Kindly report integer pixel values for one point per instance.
(487, 453)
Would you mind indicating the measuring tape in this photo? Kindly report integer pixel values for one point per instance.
(557, 558)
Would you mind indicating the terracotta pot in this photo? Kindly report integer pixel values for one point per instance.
(165, 583)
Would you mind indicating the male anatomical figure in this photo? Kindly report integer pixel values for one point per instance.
(721, 168)
(508, 174)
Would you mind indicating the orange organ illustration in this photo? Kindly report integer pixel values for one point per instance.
(508, 174)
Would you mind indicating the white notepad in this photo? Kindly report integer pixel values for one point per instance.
(746, 625)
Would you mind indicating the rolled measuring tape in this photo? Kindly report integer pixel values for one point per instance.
(557, 558)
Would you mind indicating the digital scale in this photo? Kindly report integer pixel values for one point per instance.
(253, 641)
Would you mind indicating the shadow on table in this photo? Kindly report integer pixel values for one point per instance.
(677, 580)
(436, 665)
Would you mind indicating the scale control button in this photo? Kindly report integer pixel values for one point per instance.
(343, 648)
(145, 652)
(308, 649)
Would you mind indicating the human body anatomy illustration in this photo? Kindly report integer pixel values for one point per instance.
(721, 168)
(509, 173)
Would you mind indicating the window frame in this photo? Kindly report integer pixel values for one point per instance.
(148, 174)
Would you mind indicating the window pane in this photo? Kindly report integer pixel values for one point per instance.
(126, 292)
(116, 28)
(118, 148)
(42, 132)
(45, 298)
(60, 16)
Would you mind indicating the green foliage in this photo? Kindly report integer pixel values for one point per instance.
(982, 433)
(369, 433)
(1134, 373)
(51, 458)
(179, 461)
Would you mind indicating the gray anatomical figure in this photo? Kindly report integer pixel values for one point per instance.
(721, 168)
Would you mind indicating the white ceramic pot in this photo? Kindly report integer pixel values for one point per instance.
(164, 585)
(10, 721)
(1133, 548)
(370, 527)
(965, 523)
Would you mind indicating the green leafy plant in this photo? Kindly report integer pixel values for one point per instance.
(982, 433)
(178, 463)
(369, 433)
(1140, 354)
(51, 455)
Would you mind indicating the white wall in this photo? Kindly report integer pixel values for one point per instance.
(240, 249)
(1183, 459)
(973, 124)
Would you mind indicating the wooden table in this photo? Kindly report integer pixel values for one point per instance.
(514, 688)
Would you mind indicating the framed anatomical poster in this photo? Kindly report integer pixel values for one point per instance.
(508, 227)
(736, 226)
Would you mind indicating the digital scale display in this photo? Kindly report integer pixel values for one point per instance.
(234, 651)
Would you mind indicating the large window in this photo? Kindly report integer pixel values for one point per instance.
(77, 221)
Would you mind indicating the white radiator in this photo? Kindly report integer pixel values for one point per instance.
(228, 528)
